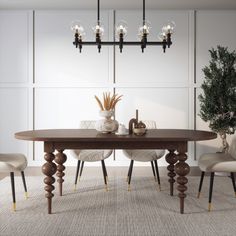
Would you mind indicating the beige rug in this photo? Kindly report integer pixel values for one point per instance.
(92, 211)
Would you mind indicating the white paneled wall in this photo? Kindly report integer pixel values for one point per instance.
(14, 116)
(57, 60)
(46, 83)
(154, 68)
(14, 46)
(15, 75)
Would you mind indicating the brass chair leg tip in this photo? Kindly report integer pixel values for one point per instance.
(209, 207)
(106, 188)
(79, 178)
(129, 188)
(14, 206)
(199, 193)
(159, 187)
(235, 194)
(26, 195)
(75, 188)
(127, 179)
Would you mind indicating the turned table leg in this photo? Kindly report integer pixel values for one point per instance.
(49, 169)
(60, 160)
(171, 158)
(182, 169)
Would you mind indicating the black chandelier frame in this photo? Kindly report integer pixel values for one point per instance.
(78, 42)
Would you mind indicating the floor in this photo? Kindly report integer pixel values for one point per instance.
(90, 210)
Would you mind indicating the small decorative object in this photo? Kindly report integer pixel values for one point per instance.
(138, 128)
(122, 130)
(107, 125)
(218, 101)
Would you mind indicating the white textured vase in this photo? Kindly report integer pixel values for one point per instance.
(106, 125)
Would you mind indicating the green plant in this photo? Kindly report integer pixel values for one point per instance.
(218, 100)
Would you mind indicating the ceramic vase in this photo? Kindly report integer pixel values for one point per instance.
(107, 124)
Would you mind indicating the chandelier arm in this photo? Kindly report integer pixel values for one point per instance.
(121, 42)
(164, 45)
(168, 39)
(128, 43)
(76, 42)
(80, 45)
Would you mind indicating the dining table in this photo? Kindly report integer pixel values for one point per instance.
(175, 141)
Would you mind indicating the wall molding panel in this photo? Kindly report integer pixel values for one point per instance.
(44, 70)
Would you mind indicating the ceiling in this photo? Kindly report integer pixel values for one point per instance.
(118, 4)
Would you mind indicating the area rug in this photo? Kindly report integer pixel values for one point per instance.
(90, 210)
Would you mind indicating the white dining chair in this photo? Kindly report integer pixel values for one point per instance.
(148, 155)
(90, 155)
(10, 163)
(218, 162)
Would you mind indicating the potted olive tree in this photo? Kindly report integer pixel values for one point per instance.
(218, 98)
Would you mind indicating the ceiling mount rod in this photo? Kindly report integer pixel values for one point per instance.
(98, 12)
(143, 12)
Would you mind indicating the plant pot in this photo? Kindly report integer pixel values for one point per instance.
(107, 125)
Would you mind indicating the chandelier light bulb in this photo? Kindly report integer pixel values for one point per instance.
(162, 36)
(76, 27)
(169, 27)
(98, 29)
(121, 28)
(144, 29)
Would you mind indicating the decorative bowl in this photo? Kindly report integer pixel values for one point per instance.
(139, 131)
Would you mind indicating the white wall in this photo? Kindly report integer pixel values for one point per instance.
(46, 83)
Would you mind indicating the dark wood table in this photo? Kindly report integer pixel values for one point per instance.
(174, 140)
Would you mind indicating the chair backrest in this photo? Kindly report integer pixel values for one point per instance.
(150, 124)
(232, 148)
(87, 124)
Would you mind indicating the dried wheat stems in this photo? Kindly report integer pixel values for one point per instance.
(109, 102)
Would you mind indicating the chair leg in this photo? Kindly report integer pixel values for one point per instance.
(104, 174)
(24, 183)
(130, 174)
(105, 171)
(129, 171)
(77, 173)
(81, 169)
(157, 174)
(200, 185)
(210, 190)
(233, 182)
(153, 170)
(13, 190)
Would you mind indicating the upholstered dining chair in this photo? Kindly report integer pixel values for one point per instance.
(145, 156)
(90, 155)
(218, 162)
(10, 163)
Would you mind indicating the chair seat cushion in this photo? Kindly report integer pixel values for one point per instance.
(11, 162)
(143, 155)
(92, 155)
(220, 162)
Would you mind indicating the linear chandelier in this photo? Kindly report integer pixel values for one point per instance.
(121, 32)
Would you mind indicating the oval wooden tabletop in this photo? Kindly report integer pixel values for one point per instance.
(54, 135)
